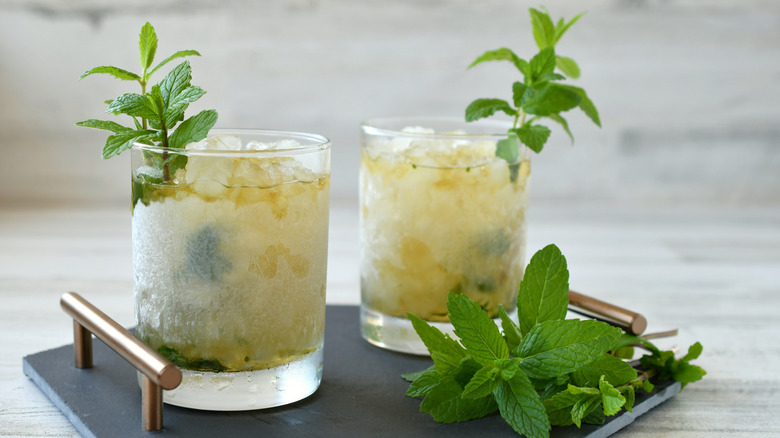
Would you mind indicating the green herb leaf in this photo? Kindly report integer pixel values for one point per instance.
(564, 124)
(560, 405)
(147, 45)
(502, 54)
(613, 369)
(543, 29)
(477, 332)
(542, 64)
(552, 99)
(445, 404)
(567, 66)
(445, 352)
(533, 136)
(175, 111)
(556, 348)
(103, 124)
(193, 129)
(585, 104)
(481, 108)
(179, 54)
(176, 81)
(521, 93)
(113, 71)
(483, 382)
(135, 105)
(630, 395)
(561, 28)
(611, 399)
(124, 140)
(583, 407)
(508, 148)
(512, 334)
(521, 407)
(544, 289)
(423, 383)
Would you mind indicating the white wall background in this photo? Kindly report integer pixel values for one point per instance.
(688, 90)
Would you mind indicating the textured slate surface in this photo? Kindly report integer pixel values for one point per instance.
(362, 394)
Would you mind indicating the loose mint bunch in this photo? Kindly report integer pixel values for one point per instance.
(540, 94)
(155, 113)
(545, 371)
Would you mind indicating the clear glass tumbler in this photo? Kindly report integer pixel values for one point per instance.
(230, 240)
(439, 213)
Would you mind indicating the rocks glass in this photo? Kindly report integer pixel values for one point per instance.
(439, 213)
(230, 241)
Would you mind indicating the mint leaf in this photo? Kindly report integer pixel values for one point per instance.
(583, 408)
(147, 45)
(477, 332)
(694, 351)
(135, 105)
(520, 93)
(193, 129)
(482, 108)
(533, 136)
(445, 404)
(556, 348)
(103, 124)
(521, 407)
(559, 407)
(124, 140)
(544, 289)
(508, 148)
(512, 334)
(445, 352)
(179, 54)
(542, 64)
(613, 369)
(113, 71)
(543, 29)
(564, 124)
(552, 99)
(175, 111)
(630, 395)
(424, 382)
(585, 103)
(483, 382)
(176, 81)
(562, 27)
(611, 399)
(567, 66)
(502, 54)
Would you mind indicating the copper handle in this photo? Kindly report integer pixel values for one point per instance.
(158, 372)
(632, 322)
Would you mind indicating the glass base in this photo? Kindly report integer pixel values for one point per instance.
(398, 334)
(248, 390)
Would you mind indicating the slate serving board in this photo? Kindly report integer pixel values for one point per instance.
(362, 394)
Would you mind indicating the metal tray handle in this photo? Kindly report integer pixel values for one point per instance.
(158, 372)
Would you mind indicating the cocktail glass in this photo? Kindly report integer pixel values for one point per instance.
(439, 213)
(230, 241)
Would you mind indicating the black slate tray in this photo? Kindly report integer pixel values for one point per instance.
(362, 394)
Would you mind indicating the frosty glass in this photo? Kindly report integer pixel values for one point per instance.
(439, 213)
(229, 259)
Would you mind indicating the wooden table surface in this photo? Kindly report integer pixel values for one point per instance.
(711, 272)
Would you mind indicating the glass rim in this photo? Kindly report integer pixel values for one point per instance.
(317, 143)
(372, 126)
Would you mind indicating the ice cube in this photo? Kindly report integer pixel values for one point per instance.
(217, 143)
(255, 145)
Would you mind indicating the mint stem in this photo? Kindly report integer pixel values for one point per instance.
(166, 164)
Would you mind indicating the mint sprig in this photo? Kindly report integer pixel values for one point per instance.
(156, 112)
(539, 95)
(545, 371)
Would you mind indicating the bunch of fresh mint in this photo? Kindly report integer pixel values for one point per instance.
(155, 113)
(539, 95)
(545, 371)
